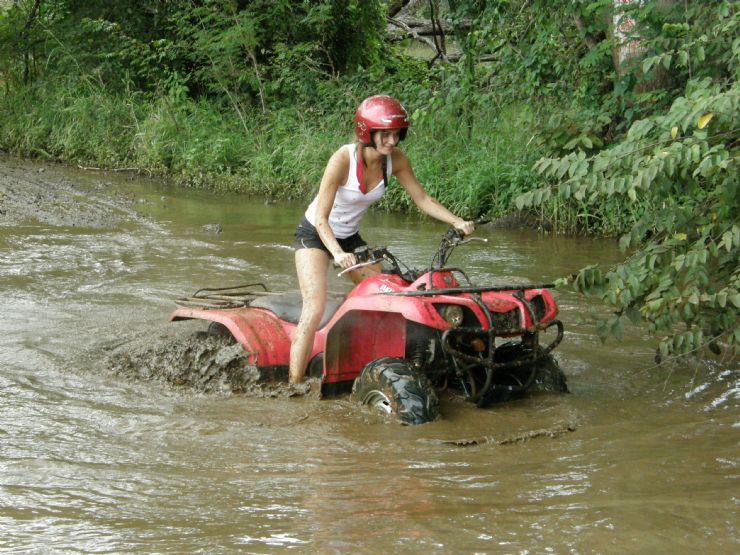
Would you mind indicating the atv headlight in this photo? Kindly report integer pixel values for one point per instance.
(452, 314)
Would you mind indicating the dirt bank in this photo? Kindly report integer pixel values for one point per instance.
(33, 193)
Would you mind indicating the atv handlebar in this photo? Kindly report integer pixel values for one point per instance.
(367, 256)
(469, 239)
(453, 238)
(455, 234)
(357, 266)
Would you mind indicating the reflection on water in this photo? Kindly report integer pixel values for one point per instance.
(91, 463)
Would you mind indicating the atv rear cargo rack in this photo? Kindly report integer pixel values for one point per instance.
(235, 296)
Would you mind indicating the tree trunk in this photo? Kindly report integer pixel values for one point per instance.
(24, 38)
(628, 50)
(626, 40)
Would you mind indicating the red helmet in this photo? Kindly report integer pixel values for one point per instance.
(379, 112)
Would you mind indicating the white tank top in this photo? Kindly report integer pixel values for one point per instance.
(350, 204)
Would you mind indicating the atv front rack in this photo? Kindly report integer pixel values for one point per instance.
(530, 350)
(455, 336)
(467, 289)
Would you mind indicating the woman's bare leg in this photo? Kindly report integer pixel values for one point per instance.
(311, 266)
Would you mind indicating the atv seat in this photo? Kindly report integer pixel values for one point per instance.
(287, 306)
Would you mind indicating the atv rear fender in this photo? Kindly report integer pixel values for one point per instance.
(265, 338)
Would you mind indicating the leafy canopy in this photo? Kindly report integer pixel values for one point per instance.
(680, 158)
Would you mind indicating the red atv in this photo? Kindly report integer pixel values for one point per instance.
(400, 336)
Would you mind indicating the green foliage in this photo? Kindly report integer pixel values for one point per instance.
(11, 29)
(472, 170)
(537, 51)
(256, 64)
(682, 275)
(218, 47)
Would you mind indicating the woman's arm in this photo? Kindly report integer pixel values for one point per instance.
(426, 203)
(334, 176)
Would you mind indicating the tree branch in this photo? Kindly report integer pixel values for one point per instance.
(24, 37)
(396, 6)
(437, 31)
(590, 41)
(417, 37)
(29, 22)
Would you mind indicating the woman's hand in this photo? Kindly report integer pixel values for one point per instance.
(345, 260)
(466, 227)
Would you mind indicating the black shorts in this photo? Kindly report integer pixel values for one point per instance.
(306, 237)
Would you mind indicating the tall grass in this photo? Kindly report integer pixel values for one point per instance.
(196, 143)
(78, 123)
(478, 167)
(475, 162)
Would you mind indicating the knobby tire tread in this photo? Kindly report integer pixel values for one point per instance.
(411, 395)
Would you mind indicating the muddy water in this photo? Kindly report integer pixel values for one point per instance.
(92, 461)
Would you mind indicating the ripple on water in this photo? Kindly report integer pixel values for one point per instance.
(92, 462)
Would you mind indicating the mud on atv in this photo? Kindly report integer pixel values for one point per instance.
(402, 335)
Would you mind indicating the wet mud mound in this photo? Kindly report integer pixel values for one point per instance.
(29, 193)
(202, 363)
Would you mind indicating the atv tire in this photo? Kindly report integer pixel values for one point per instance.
(548, 376)
(216, 329)
(390, 385)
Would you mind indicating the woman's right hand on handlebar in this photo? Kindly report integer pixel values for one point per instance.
(345, 260)
(466, 227)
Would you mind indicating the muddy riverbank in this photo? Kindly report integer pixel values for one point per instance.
(38, 193)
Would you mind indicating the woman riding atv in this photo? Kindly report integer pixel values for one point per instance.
(355, 177)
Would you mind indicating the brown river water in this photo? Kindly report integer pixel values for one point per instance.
(92, 461)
